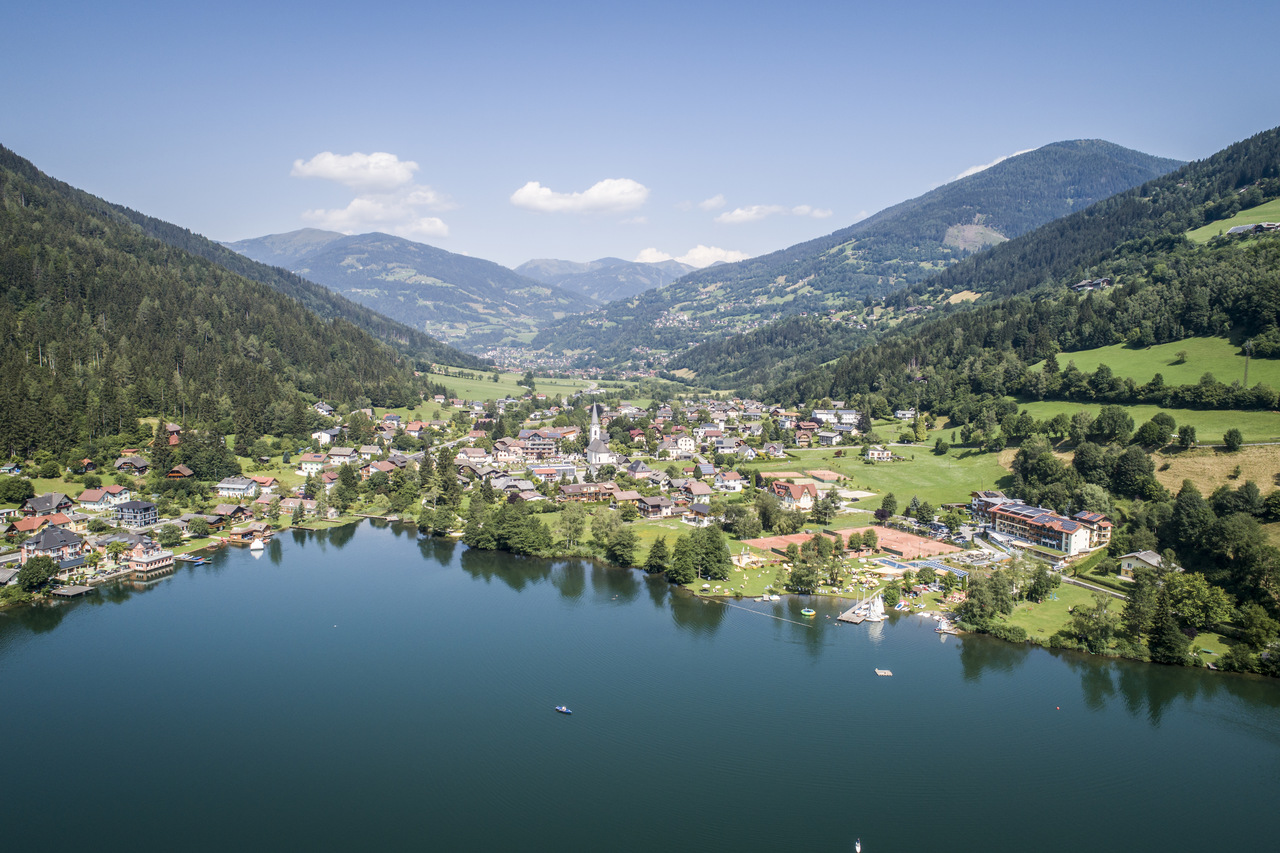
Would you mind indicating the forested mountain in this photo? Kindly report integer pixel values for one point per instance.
(1165, 288)
(898, 247)
(323, 301)
(470, 302)
(104, 324)
(606, 279)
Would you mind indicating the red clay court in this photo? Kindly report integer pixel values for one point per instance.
(908, 546)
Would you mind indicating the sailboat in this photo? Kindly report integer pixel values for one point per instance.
(875, 613)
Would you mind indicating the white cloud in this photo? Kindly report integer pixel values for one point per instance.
(714, 203)
(699, 256)
(973, 170)
(756, 212)
(612, 195)
(387, 198)
(376, 172)
(862, 214)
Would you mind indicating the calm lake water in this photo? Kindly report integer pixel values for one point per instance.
(367, 689)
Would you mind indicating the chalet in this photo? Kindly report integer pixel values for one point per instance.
(231, 513)
(638, 469)
(775, 450)
(10, 469)
(325, 437)
(46, 504)
(312, 463)
(729, 481)
(508, 450)
(795, 496)
(391, 419)
(369, 452)
(1131, 561)
(266, 485)
(698, 514)
(85, 466)
(179, 472)
(135, 465)
(324, 409)
(105, 498)
(215, 522)
(655, 507)
(905, 414)
(878, 453)
(342, 455)
(829, 439)
(237, 487)
(472, 454)
(695, 489)
(137, 513)
(174, 433)
(415, 429)
(803, 437)
(585, 491)
(626, 496)
(62, 546)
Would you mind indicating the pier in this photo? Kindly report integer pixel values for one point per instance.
(71, 591)
(852, 616)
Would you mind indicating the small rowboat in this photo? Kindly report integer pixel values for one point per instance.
(563, 710)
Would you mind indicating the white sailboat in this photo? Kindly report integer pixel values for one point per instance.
(875, 613)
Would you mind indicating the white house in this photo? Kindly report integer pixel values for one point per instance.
(237, 487)
(877, 453)
(1131, 561)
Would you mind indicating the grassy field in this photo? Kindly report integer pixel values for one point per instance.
(484, 388)
(1269, 212)
(1210, 424)
(1209, 468)
(1204, 355)
(937, 479)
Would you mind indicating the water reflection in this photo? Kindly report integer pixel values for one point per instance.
(659, 590)
(612, 583)
(515, 572)
(571, 579)
(700, 616)
(978, 654)
(275, 551)
(439, 549)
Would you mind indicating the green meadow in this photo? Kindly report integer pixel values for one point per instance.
(1203, 355)
(1210, 424)
(938, 479)
(1269, 212)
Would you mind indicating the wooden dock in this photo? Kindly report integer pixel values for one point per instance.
(851, 617)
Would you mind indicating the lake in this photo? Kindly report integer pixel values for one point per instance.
(365, 688)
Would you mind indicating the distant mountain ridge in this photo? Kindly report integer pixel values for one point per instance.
(319, 299)
(896, 248)
(606, 279)
(471, 302)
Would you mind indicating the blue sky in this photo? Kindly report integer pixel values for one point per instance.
(583, 130)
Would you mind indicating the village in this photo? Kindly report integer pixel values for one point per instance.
(663, 469)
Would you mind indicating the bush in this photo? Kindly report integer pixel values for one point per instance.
(1009, 633)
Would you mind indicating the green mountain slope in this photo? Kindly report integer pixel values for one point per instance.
(104, 324)
(321, 300)
(1165, 288)
(470, 302)
(606, 279)
(898, 247)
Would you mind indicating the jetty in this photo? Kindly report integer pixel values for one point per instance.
(853, 616)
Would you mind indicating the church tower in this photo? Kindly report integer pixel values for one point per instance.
(595, 423)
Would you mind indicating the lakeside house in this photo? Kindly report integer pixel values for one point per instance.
(62, 546)
(237, 487)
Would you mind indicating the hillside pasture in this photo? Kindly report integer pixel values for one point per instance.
(1204, 355)
(1210, 424)
(1268, 212)
(1209, 468)
(937, 479)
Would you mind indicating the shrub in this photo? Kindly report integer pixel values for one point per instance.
(1010, 633)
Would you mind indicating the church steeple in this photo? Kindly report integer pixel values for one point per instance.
(595, 422)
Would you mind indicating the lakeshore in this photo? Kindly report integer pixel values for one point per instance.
(354, 685)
